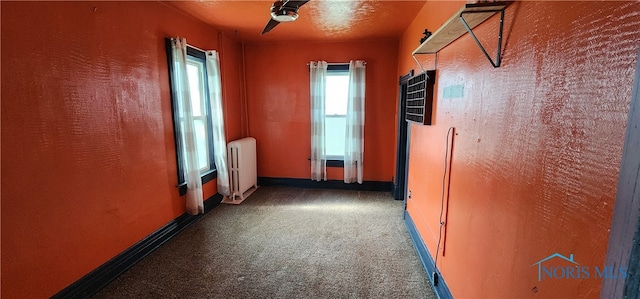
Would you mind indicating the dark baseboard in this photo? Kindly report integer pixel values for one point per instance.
(331, 184)
(107, 272)
(442, 290)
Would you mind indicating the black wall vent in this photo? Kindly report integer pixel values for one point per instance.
(420, 98)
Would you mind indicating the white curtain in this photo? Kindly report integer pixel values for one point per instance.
(318, 75)
(354, 139)
(187, 142)
(219, 139)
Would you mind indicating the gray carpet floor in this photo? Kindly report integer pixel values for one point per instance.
(286, 243)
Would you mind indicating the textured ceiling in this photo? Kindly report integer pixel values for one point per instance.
(326, 20)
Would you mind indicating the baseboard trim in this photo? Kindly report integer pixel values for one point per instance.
(441, 290)
(97, 279)
(330, 184)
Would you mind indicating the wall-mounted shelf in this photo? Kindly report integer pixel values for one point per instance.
(463, 21)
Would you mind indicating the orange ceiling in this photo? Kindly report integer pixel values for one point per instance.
(319, 20)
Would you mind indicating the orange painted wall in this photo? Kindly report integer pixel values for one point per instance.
(233, 87)
(537, 147)
(278, 101)
(88, 158)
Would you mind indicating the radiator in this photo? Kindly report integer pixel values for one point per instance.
(243, 174)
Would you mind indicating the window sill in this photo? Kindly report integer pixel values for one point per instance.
(334, 163)
(206, 177)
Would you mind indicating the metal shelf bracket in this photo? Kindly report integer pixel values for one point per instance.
(496, 62)
(435, 61)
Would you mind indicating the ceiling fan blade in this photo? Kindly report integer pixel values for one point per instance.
(272, 24)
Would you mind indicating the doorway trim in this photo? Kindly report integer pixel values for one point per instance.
(402, 162)
(624, 248)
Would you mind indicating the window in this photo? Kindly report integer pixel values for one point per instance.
(199, 102)
(337, 91)
(196, 74)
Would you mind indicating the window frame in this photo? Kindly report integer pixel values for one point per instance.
(333, 160)
(193, 55)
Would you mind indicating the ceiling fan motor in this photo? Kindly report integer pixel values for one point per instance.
(282, 13)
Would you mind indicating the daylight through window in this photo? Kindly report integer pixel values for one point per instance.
(196, 77)
(337, 91)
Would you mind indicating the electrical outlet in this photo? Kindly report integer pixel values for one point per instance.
(409, 195)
